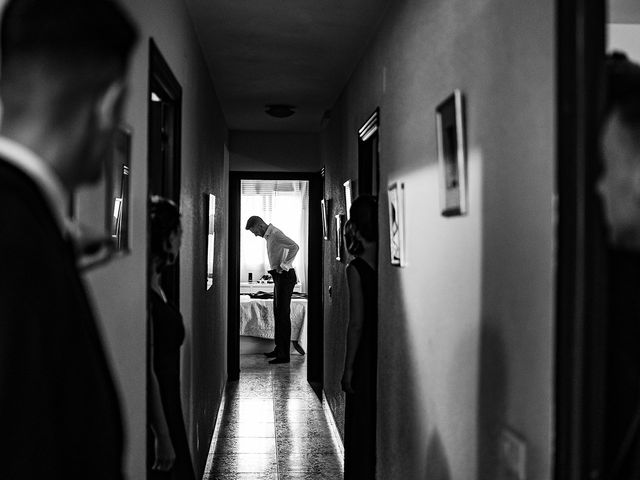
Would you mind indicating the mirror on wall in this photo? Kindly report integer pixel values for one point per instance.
(117, 188)
(211, 236)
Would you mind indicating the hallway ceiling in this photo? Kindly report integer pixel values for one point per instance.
(293, 52)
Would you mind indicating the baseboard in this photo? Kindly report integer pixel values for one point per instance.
(216, 429)
(335, 434)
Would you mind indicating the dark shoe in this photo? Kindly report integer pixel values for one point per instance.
(271, 354)
(279, 360)
(298, 348)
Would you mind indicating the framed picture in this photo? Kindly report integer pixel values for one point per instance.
(348, 197)
(324, 206)
(339, 237)
(210, 211)
(117, 190)
(452, 157)
(396, 224)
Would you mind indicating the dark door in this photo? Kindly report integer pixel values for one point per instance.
(581, 306)
(368, 177)
(165, 100)
(164, 106)
(368, 163)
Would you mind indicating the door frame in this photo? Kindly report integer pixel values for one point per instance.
(163, 82)
(368, 148)
(580, 302)
(315, 315)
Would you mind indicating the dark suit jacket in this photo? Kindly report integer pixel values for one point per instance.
(59, 412)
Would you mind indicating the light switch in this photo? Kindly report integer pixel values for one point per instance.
(513, 455)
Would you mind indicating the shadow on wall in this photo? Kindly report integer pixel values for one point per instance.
(437, 464)
(491, 401)
(406, 449)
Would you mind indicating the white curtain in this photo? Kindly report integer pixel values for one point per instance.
(285, 204)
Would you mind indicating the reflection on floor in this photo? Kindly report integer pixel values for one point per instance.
(272, 427)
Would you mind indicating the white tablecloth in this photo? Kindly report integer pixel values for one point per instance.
(255, 287)
(256, 317)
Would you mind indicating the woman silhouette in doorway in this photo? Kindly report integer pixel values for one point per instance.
(359, 378)
(170, 458)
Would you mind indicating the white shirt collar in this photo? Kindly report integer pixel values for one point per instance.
(269, 231)
(42, 174)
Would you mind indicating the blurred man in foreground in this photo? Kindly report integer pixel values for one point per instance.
(62, 84)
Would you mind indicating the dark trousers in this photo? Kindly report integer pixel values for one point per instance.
(283, 284)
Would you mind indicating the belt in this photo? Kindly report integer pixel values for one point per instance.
(275, 272)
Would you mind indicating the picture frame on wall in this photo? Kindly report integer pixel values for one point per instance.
(324, 207)
(452, 155)
(339, 236)
(117, 188)
(396, 224)
(348, 197)
(210, 222)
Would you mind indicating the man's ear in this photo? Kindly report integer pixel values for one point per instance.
(109, 103)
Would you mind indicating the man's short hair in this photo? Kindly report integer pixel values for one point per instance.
(84, 43)
(75, 29)
(253, 221)
(623, 88)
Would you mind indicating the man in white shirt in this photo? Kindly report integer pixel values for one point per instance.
(281, 251)
(63, 83)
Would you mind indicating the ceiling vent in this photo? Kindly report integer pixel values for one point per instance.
(280, 111)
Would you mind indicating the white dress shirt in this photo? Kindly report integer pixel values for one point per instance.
(42, 174)
(281, 250)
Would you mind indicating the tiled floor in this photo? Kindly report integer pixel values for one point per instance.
(272, 427)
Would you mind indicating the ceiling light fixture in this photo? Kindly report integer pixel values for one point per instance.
(280, 111)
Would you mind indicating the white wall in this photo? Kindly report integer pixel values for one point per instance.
(466, 336)
(623, 31)
(274, 151)
(119, 289)
(626, 38)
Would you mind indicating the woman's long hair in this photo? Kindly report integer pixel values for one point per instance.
(164, 219)
(363, 219)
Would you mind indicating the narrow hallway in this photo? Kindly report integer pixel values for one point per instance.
(272, 426)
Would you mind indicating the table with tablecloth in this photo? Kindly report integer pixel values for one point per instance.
(256, 317)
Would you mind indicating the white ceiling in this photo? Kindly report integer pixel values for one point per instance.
(295, 52)
(624, 11)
